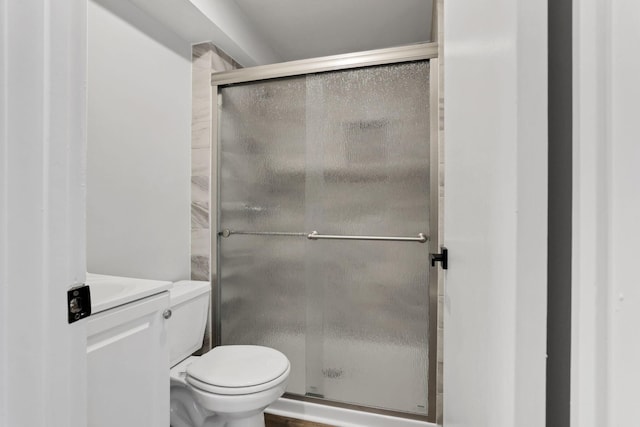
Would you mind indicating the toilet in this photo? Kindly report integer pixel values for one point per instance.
(230, 386)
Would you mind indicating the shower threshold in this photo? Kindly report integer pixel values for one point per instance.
(334, 414)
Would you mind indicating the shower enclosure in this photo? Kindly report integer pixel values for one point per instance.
(327, 212)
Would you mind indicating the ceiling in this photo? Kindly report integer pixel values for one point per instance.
(299, 29)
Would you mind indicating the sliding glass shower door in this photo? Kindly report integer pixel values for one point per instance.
(343, 154)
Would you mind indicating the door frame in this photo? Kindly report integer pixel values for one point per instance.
(42, 211)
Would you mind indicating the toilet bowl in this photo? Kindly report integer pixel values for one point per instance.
(230, 386)
(255, 377)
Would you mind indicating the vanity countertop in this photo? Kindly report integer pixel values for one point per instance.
(111, 291)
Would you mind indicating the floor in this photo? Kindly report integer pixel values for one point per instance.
(276, 421)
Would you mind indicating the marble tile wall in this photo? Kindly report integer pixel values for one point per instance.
(206, 58)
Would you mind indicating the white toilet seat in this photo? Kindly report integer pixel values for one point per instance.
(233, 391)
(238, 369)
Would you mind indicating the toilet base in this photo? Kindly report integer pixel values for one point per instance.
(191, 415)
(256, 420)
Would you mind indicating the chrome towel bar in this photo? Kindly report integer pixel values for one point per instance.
(316, 236)
(226, 233)
(421, 238)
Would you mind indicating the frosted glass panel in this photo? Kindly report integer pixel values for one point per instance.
(264, 299)
(262, 156)
(368, 174)
(368, 326)
(367, 136)
(340, 153)
(262, 170)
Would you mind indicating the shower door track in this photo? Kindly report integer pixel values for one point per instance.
(409, 53)
(393, 55)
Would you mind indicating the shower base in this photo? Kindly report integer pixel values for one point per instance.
(334, 416)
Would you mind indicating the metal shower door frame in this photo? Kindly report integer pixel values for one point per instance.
(415, 52)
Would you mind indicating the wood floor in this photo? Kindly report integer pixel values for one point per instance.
(276, 421)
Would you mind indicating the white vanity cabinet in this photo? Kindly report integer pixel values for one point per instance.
(128, 364)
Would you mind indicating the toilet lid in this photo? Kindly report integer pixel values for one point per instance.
(239, 366)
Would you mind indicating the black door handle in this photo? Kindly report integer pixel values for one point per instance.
(442, 257)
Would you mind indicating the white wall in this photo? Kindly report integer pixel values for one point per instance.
(606, 295)
(495, 68)
(139, 124)
(625, 212)
(221, 22)
(42, 206)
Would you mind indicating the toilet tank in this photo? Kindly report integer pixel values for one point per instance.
(189, 303)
